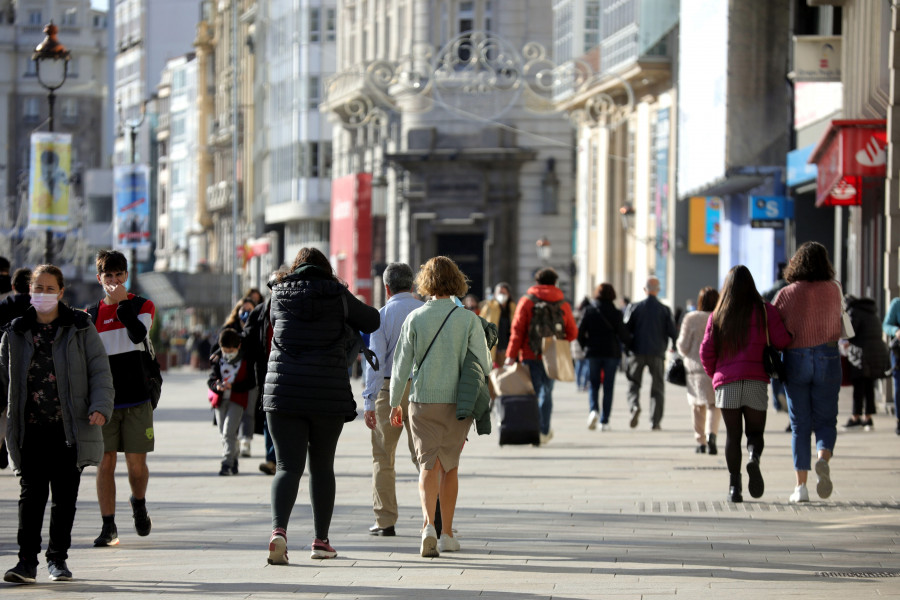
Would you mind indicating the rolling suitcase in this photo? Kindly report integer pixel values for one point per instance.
(518, 419)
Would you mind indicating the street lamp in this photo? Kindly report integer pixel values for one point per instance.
(51, 52)
(544, 250)
(133, 126)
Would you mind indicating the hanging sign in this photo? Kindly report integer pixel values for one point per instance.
(48, 181)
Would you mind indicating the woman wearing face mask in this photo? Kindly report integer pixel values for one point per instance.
(499, 310)
(55, 376)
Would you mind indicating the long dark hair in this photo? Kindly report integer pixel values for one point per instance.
(738, 301)
(312, 256)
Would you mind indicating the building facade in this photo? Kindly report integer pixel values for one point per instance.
(79, 110)
(461, 162)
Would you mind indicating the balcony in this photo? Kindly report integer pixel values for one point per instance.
(218, 196)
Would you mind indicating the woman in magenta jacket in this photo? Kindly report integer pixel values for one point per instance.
(731, 353)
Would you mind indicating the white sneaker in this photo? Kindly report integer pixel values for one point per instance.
(605, 427)
(824, 486)
(245, 448)
(593, 417)
(546, 437)
(448, 544)
(429, 542)
(800, 494)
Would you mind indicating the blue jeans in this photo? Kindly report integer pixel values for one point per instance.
(777, 388)
(582, 373)
(607, 367)
(812, 387)
(543, 387)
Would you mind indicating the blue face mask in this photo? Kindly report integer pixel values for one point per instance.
(244, 315)
(457, 302)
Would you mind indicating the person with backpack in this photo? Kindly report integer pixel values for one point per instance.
(869, 360)
(123, 321)
(651, 326)
(307, 395)
(541, 312)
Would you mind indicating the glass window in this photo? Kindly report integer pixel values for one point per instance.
(330, 25)
(314, 94)
(31, 108)
(314, 25)
(34, 17)
(70, 17)
(314, 159)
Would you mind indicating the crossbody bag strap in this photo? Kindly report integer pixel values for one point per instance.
(766, 322)
(424, 356)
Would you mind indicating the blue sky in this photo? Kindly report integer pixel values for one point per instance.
(100, 4)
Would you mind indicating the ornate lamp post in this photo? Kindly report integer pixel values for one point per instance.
(51, 52)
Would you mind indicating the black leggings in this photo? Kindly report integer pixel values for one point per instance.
(864, 396)
(294, 437)
(735, 420)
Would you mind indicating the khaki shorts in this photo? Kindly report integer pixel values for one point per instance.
(437, 434)
(130, 430)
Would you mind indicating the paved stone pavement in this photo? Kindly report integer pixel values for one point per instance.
(622, 514)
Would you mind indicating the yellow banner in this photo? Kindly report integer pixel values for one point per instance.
(48, 185)
(703, 230)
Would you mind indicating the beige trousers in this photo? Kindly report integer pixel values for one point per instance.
(385, 438)
(706, 421)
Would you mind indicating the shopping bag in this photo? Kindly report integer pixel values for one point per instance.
(512, 380)
(557, 357)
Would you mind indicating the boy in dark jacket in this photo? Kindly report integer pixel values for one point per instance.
(230, 381)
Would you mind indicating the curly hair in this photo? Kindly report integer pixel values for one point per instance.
(809, 263)
(441, 277)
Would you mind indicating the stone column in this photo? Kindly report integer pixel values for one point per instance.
(892, 183)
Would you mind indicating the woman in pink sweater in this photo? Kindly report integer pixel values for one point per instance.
(731, 353)
(811, 307)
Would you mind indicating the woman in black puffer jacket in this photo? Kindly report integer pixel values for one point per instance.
(869, 359)
(307, 396)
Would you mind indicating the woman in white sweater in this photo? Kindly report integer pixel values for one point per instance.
(700, 393)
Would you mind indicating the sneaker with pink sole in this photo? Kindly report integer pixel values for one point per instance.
(278, 547)
(322, 549)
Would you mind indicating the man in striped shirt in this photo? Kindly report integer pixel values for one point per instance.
(123, 321)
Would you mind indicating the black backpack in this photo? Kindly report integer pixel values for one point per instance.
(547, 320)
(152, 374)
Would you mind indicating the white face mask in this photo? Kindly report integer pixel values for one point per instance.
(44, 303)
(502, 298)
(229, 356)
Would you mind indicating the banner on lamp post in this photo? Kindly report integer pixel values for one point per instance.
(132, 197)
(48, 181)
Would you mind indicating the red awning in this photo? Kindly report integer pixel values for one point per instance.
(848, 152)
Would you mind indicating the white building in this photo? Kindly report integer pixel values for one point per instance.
(435, 101)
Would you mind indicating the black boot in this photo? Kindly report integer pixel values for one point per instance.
(711, 444)
(734, 492)
(755, 484)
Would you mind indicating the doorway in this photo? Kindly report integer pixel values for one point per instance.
(467, 251)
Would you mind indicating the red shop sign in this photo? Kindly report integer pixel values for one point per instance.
(849, 151)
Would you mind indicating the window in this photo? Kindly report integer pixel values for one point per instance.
(326, 159)
(70, 108)
(99, 21)
(178, 128)
(466, 22)
(34, 17)
(30, 67)
(330, 25)
(315, 27)
(314, 159)
(73, 67)
(314, 94)
(70, 17)
(31, 109)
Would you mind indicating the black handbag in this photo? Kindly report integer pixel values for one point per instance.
(771, 358)
(675, 372)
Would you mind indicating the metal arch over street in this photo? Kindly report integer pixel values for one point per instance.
(477, 75)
